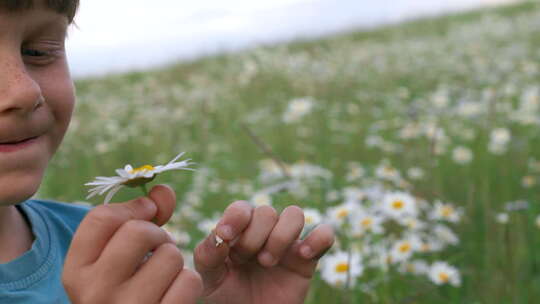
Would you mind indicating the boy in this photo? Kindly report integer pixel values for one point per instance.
(58, 253)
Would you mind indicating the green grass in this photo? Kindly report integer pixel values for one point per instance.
(365, 84)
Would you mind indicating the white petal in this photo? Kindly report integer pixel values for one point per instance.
(148, 174)
(106, 188)
(111, 194)
(123, 173)
(177, 157)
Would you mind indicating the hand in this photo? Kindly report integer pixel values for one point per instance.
(261, 259)
(106, 262)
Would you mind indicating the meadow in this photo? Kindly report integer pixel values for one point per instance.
(417, 141)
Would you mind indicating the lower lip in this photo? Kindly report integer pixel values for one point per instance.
(6, 148)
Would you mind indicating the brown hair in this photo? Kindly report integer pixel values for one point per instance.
(65, 7)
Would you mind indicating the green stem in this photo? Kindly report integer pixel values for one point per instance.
(144, 190)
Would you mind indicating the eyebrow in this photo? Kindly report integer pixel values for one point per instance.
(55, 24)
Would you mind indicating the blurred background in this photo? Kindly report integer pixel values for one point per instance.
(411, 126)
(111, 37)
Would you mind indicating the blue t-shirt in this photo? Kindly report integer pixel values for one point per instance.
(35, 277)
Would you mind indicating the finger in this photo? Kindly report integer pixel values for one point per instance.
(235, 219)
(286, 231)
(186, 289)
(317, 242)
(99, 225)
(128, 247)
(165, 197)
(210, 262)
(253, 238)
(292, 261)
(158, 273)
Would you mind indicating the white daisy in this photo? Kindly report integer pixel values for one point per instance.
(502, 218)
(399, 204)
(364, 221)
(261, 199)
(415, 173)
(341, 267)
(412, 223)
(441, 273)
(312, 217)
(417, 267)
(387, 172)
(403, 249)
(446, 212)
(500, 137)
(133, 177)
(353, 194)
(528, 181)
(297, 108)
(179, 236)
(445, 235)
(340, 214)
(209, 224)
(462, 155)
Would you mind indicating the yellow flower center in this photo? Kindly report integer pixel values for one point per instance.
(309, 220)
(141, 180)
(405, 247)
(398, 204)
(143, 168)
(342, 267)
(366, 222)
(447, 211)
(342, 213)
(389, 170)
(444, 277)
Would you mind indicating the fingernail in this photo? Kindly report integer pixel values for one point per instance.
(217, 240)
(226, 232)
(306, 252)
(267, 259)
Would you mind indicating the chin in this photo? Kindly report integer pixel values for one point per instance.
(16, 190)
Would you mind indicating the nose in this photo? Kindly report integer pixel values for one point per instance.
(20, 93)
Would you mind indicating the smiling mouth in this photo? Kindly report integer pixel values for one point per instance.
(9, 147)
(19, 142)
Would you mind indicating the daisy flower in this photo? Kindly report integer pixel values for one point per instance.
(441, 273)
(403, 249)
(339, 214)
(364, 221)
(445, 211)
(399, 204)
(132, 177)
(341, 267)
(462, 155)
(312, 217)
(261, 199)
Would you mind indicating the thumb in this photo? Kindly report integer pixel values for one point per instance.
(209, 261)
(100, 224)
(165, 200)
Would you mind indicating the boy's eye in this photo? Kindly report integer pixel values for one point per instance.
(32, 52)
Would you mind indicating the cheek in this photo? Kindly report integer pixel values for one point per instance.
(59, 95)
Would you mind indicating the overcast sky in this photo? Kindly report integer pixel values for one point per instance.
(119, 35)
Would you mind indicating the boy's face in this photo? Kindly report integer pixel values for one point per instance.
(36, 97)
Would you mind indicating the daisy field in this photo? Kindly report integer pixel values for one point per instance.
(419, 142)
